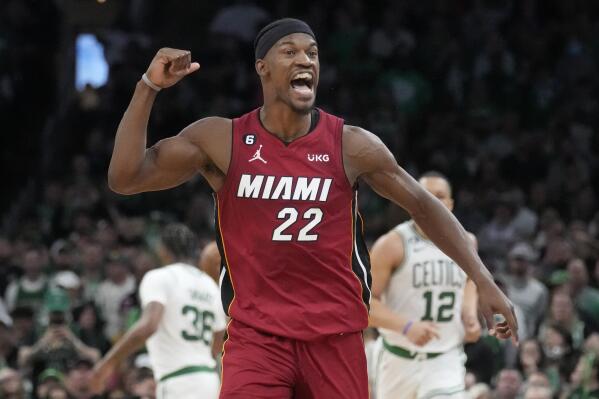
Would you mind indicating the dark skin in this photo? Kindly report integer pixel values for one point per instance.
(204, 147)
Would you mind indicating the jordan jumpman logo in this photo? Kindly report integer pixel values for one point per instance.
(257, 156)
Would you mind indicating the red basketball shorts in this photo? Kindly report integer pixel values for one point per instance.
(261, 366)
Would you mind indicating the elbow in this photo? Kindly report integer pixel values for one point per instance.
(118, 184)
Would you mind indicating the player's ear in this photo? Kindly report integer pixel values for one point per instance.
(261, 67)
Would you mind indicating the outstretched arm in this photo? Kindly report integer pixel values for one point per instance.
(470, 307)
(367, 158)
(134, 167)
(128, 344)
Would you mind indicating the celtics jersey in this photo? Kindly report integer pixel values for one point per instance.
(428, 285)
(192, 312)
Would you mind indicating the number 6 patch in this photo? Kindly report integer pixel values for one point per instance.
(249, 138)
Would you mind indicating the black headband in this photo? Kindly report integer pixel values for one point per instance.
(274, 31)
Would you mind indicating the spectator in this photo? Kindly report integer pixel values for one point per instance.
(91, 265)
(509, 382)
(57, 392)
(523, 289)
(89, 327)
(30, 289)
(563, 314)
(11, 385)
(586, 298)
(47, 380)
(530, 357)
(559, 354)
(118, 284)
(537, 392)
(585, 382)
(142, 384)
(69, 282)
(58, 346)
(77, 378)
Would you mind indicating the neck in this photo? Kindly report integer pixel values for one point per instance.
(283, 122)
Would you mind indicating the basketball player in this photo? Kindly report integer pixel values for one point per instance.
(295, 277)
(428, 309)
(182, 324)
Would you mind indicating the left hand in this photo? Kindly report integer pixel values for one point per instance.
(102, 371)
(493, 301)
(472, 328)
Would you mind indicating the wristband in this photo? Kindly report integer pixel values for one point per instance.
(407, 327)
(151, 85)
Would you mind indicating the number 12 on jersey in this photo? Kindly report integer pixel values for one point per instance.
(290, 215)
(445, 301)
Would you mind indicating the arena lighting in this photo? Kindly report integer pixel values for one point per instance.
(101, 1)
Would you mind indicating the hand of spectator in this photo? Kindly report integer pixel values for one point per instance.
(493, 301)
(50, 337)
(472, 328)
(421, 332)
(169, 66)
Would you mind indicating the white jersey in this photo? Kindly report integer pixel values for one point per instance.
(428, 285)
(192, 311)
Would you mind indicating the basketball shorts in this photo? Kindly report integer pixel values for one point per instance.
(419, 378)
(261, 366)
(203, 385)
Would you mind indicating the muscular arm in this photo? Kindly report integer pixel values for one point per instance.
(203, 146)
(135, 168)
(367, 158)
(470, 303)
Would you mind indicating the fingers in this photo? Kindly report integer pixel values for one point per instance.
(489, 319)
(194, 66)
(179, 63)
(512, 322)
(433, 331)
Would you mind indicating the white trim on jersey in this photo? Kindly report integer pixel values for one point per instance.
(358, 253)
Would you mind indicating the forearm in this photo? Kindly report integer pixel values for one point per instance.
(130, 142)
(444, 230)
(132, 341)
(383, 317)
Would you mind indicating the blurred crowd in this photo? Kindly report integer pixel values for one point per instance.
(502, 96)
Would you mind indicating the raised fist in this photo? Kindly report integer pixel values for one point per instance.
(169, 66)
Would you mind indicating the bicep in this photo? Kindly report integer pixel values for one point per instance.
(368, 158)
(170, 162)
(386, 254)
(175, 160)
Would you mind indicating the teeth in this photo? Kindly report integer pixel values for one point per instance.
(303, 75)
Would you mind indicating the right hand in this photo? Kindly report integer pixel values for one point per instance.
(421, 332)
(170, 66)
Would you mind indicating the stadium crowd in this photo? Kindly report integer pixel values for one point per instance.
(502, 96)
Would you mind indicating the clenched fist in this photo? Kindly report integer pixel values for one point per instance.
(170, 66)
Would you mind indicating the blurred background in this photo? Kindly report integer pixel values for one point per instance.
(499, 95)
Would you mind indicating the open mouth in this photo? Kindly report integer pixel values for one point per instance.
(302, 83)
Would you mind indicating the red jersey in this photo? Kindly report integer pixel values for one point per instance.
(294, 262)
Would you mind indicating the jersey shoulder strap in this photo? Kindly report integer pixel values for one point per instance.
(406, 232)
